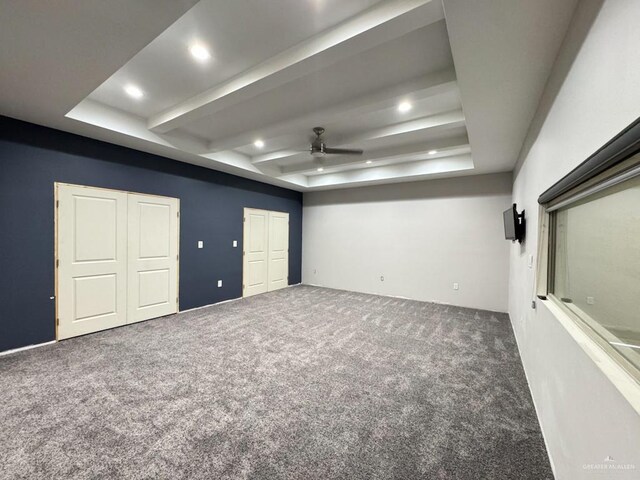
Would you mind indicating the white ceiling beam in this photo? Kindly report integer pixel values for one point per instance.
(379, 24)
(110, 118)
(402, 154)
(448, 119)
(441, 121)
(432, 85)
(109, 124)
(448, 166)
(270, 157)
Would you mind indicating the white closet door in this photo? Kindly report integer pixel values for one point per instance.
(153, 257)
(278, 250)
(255, 252)
(92, 259)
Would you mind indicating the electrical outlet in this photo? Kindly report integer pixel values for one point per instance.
(382, 278)
(200, 244)
(235, 244)
(456, 286)
(219, 283)
(590, 301)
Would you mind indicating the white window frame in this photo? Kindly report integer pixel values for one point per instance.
(588, 334)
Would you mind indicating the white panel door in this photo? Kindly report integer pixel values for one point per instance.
(255, 252)
(153, 257)
(278, 250)
(92, 259)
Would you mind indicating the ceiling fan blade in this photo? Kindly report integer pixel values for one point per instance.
(343, 151)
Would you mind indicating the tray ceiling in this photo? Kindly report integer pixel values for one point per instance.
(238, 86)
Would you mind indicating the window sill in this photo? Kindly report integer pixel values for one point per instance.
(621, 379)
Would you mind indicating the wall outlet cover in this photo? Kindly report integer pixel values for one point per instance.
(219, 283)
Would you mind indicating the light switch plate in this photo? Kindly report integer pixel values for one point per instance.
(456, 286)
(235, 243)
(200, 244)
(219, 283)
(530, 261)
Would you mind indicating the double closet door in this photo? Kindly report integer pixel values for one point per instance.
(116, 258)
(266, 251)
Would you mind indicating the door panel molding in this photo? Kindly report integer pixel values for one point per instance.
(152, 257)
(255, 244)
(278, 250)
(265, 263)
(98, 232)
(91, 263)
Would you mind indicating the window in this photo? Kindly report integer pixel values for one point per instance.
(589, 253)
(595, 264)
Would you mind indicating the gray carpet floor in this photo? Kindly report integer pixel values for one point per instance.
(302, 383)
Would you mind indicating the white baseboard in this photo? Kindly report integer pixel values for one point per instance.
(209, 305)
(533, 400)
(28, 347)
(226, 301)
(402, 297)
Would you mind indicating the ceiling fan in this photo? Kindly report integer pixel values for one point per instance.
(320, 149)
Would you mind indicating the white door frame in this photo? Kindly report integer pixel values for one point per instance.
(268, 214)
(255, 258)
(160, 261)
(56, 252)
(278, 251)
(91, 267)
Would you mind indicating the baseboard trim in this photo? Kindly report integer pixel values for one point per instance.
(209, 305)
(28, 347)
(403, 298)
(226, 301)
(533, 400)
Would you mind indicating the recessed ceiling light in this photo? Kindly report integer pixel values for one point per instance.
(432, 152)
(133, 91)
(199, 52)
(368, 162)
(404, 107)
(320, 169)
(259, 143)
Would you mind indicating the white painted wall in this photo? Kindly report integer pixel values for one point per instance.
(421, 236)
(592, 94)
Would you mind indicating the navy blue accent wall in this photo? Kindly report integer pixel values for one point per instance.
(32, 158)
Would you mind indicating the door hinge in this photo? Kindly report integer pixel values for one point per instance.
(244, 219)
(57, 263)
(243, 253)
(178, 257)
(57, 203)
(178, 214)
(57, 322)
